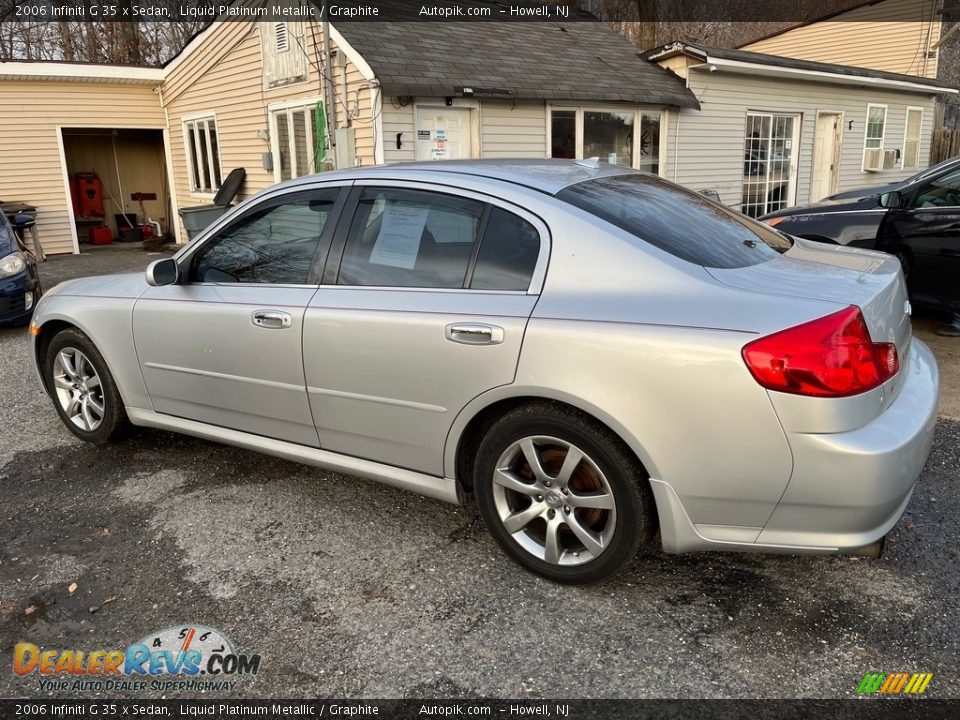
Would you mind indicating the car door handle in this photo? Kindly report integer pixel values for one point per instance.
(474, 334)
(950, 253)
(271, 319)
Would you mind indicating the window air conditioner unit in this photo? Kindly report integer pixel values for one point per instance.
(890, 159)
(873, 161)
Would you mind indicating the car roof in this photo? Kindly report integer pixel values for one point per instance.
(546, 175)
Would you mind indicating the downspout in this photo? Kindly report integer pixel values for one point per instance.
(676, 147)
(173, 225)
(376, 107)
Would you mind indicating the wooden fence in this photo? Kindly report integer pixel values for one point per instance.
(945, 144)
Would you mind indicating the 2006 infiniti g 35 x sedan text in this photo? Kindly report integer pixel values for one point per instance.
(590, 352)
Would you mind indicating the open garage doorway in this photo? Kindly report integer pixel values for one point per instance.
(118, 185)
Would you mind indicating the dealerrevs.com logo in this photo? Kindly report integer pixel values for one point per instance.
(185, 658)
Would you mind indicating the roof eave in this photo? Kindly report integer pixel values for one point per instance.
(392, 89)
(825, 76)
(83, 72)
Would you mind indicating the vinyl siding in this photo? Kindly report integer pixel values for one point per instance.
(30, 166)
(710, 151)
(513, 130)
(224, 77)
(398, 117)
(895, 36)
(507, 129)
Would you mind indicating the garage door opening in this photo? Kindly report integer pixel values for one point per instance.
(118, 185)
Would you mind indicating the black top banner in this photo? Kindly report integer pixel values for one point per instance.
(338, 11)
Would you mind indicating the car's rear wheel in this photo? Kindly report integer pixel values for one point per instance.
(83, 390)
(562, 495)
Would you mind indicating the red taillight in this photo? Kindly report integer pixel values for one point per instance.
(832, 356)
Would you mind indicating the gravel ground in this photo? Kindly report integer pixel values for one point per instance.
(347, 588)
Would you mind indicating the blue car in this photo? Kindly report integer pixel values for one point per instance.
(19, 279)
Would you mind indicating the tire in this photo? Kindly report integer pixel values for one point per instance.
(83, 390)
(574, 525)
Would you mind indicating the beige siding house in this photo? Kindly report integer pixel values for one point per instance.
(773, 132)
(898, 36)
(281, 100)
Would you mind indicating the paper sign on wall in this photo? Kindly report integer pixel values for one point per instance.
(398, 243)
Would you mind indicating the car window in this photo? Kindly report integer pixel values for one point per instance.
(678, 221)
(942, 192)
(275, 243)
(410, 238)
(508, 253)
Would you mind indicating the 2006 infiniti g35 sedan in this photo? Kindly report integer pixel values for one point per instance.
(590, 352)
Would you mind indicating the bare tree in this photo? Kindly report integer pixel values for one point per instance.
(130, 41)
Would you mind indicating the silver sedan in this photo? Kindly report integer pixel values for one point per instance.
(590, 353)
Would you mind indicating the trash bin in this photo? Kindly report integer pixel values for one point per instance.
(198, 218)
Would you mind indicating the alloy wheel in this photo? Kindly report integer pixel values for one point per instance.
(554, 500)
(79, 390)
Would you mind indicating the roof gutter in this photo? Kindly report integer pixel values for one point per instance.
(14, 70)
(823, 76)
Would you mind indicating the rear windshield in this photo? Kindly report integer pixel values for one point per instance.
(678, 221)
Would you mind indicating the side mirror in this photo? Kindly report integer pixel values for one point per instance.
(22, 221)
(892, 199)
(163, 272)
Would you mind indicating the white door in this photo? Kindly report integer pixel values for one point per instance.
(444, 133)
(826, 156)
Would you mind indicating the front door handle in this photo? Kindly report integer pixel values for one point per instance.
(271, 319)
(474, 334)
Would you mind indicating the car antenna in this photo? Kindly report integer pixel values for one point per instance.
(593, 162)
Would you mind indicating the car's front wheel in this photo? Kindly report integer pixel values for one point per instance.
(561, 494)
(83, 390)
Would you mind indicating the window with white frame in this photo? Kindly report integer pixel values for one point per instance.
(911, 139)
(876, 129)
(628, 137)
(203, 153)
(299, 145)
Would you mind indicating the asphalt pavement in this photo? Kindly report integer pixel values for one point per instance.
(346, 588)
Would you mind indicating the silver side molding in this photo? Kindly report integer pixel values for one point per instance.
(429, 485)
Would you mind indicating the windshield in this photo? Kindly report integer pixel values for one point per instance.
(681, 222)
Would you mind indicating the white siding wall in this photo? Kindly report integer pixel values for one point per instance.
(513, 130)
(398, 117)
(507, 129)
(710, 151)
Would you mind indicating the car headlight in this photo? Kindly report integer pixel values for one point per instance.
(12, 264)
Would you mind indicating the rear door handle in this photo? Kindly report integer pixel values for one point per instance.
(271, 319)
(474, 334)
(950, 253)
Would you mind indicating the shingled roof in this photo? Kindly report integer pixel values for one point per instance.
(581, 61)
